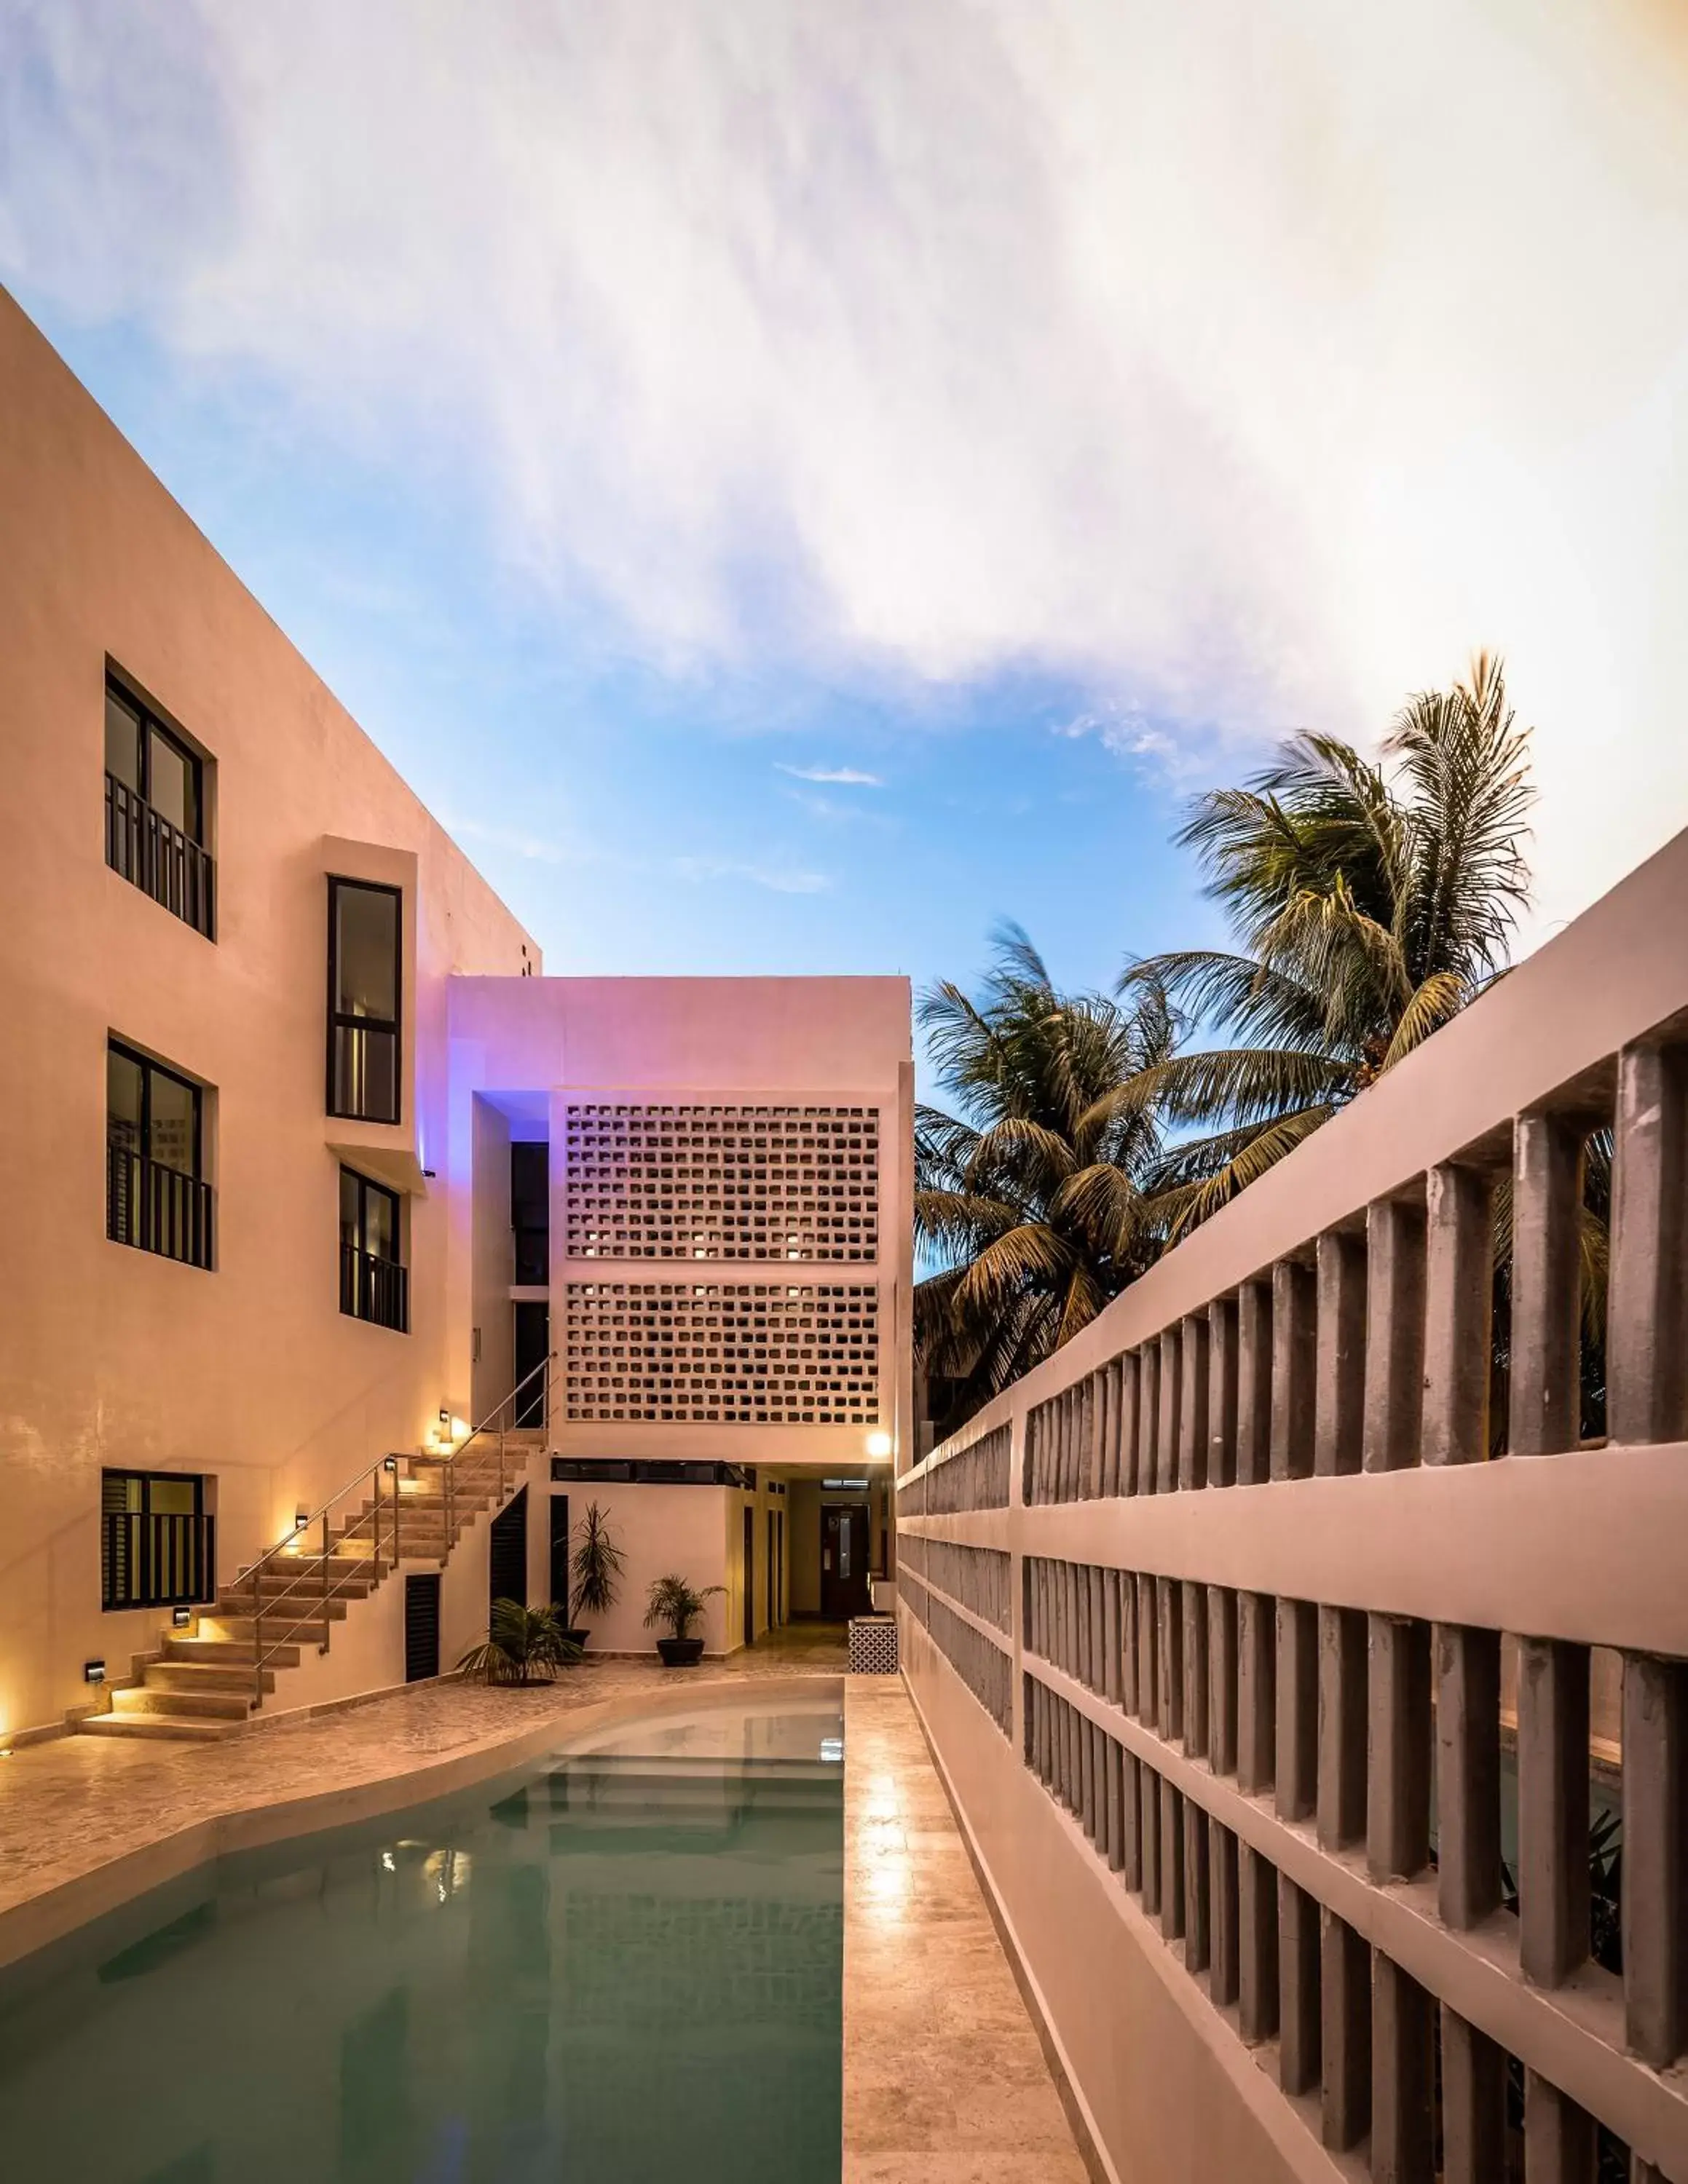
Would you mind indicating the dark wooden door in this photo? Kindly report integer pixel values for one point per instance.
(844, 1560)
(508, 1555)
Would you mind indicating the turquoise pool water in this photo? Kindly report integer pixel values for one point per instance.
(622, 1966)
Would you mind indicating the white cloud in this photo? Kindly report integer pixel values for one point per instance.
(1250, 366)
(780, 879)
(843, 777)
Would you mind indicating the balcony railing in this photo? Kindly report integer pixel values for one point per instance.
(150, 1559)
(1311, 1675)
(375, 1289)
(144, 847)
(157, 1208)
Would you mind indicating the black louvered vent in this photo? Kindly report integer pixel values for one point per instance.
(421, 1626)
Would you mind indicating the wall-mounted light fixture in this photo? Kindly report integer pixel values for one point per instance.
(182, 1618)
(93, 1671)
(390, 1463)
(301, 1518)
(879, 1444)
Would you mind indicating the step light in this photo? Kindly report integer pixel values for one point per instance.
(93, 1671)
(182, 1618)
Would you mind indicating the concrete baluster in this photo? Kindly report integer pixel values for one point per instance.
(1298, 2006)
(1193, 1381)
(1148, 1677)
(1166, 1433)
(1113, 1663)
(1656, 1857)
(1346, 2034)
(1467, 1774)
(1194, 1598)
(1473, 2104)
(1222, 1882)
(1170, 1645)
(1149, 1825)
(1340, 1370)
(1221, 1679)
(1295, 1772)
(1222, 1393)
(1198, 1889)
(1646, 1324)
(1398, 1756)
(1458, 1286)
(1553, 1808)
(1395, 1333)
(1116, 1818)
(1546, 1345)
(1256, 1692)
(1172, 1862)
(1295, 1356)
(1256, 1945)
(1560, 2140)
(1340, 1810)
(1403, 2068)
(1254, 1383)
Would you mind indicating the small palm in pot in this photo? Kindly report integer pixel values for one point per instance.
(672, 1601)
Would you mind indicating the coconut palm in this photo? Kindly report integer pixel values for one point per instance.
(1029, 1203)
(1368, 904)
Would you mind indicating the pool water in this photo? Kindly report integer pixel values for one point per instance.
(623, 1965)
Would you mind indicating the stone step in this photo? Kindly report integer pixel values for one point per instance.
(202, 1676)
(237, 1606)
(210, 1706)
(232, 1650)
(159, 1726)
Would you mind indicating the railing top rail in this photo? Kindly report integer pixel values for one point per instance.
(370, 1470)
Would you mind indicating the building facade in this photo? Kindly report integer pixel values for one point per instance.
(275, 1042)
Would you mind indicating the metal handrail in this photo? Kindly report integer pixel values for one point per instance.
(316, 1599)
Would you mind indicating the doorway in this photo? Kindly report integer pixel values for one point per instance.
(750, 1576)
(532, 1346)
(559, 1544)
(843, 1560)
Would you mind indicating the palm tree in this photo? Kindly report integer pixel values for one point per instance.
(1029, 1201)
(1368, 904)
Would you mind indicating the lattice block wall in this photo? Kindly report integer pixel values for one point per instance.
(703, 1353)
(720, 1181)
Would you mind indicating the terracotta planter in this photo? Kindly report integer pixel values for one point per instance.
(681, 1653)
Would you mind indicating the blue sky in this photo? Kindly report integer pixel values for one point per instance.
(1035, 407)
(641, 818)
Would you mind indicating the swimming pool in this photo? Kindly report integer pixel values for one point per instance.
(624, 1963)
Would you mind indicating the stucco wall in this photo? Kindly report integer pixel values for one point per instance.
(110, 1356)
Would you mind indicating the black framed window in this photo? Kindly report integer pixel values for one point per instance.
(158, 1540)
(364, 997)
(156, 1197)
(530, 1212)
(374, 1282)
(156, 810)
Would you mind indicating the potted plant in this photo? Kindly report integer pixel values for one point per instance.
(671, 1600)
(595, 1567)
(522, 1645)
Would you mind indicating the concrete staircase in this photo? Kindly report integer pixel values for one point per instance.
(202, 1684)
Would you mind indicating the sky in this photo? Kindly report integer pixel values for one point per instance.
(792, 486)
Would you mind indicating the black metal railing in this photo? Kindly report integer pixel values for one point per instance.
(144, 847)
(376, 1289)
(150, 1560)
(156, 1208)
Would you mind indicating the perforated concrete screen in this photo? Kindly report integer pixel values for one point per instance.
(721, 1182)
(703, 1353)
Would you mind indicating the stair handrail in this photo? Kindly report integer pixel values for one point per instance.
(321, 1596)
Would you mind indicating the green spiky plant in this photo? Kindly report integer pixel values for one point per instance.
(672, 1601)
(1030, 1205)
(522, 1645)
(596, 1566)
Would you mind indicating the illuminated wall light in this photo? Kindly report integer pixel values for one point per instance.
(93, 1671)
(879, 1444)
(182, 1618)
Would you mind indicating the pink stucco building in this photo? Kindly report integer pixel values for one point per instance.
(310, 1165)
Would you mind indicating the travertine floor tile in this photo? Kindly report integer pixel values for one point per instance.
(944, 2078)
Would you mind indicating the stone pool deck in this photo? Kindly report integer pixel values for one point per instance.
(945, 2080)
